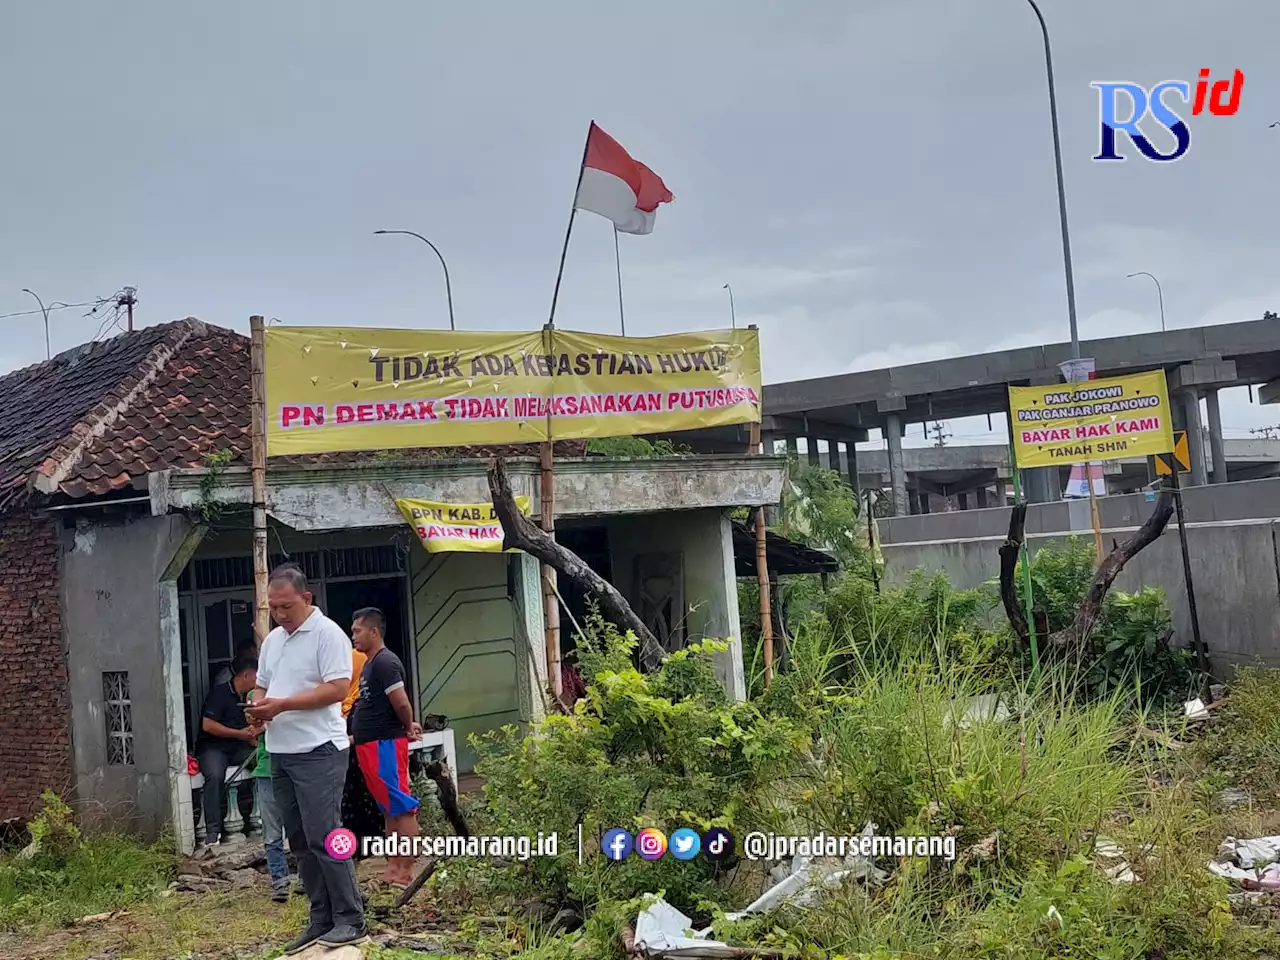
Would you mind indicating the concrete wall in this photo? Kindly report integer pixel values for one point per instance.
(320, 498)
(1232, 532)
(704, 538)
(112, 612)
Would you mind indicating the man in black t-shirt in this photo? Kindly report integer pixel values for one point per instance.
(381, 727)
(225, 740)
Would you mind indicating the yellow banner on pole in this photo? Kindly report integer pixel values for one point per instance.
(1091, 420)
(457, 527)
(360, 388)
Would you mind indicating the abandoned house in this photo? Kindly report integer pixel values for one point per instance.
(126, 580)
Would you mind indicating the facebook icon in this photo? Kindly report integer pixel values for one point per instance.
(617, 844)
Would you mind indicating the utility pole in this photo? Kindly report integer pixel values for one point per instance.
(127, 298)
(1267, 433)
(940, 434)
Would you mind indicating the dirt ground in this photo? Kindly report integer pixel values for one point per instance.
(224, 924)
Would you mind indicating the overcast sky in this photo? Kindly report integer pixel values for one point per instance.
(873, 177)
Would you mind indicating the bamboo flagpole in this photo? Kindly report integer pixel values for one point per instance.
(762, 571)
(617, 262)
(550, 594)
(755, 448)
(547, 462)
(258, 473)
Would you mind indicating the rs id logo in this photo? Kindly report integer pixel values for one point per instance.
(1222, 98)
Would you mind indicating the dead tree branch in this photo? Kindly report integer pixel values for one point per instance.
(1077, 635)
(1073, 639)
(447, 793)
(521, 533)
(1009, 551)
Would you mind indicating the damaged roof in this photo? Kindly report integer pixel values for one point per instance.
(785, 557)
(102, 416)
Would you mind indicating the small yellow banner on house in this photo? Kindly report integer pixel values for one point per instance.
(457, 527)
(1092, 420)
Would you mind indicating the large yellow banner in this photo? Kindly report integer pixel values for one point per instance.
(457, 527)
(361, 388)
(1091, 420)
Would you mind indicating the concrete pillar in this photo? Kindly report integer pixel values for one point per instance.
(851, 471)
(963, 499)
(767, 443)
(811, 448)
(1195, 435)
(832, 459)
(925, 507)
(1217, 444)
(1039, 484)
(793, 449)
(897, 471)
(913, 502)
(982, 498)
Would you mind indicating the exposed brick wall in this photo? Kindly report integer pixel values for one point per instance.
(35, 706)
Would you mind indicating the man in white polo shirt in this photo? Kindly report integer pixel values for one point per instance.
(304, 672)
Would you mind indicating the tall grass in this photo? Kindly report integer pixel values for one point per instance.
(103, 872)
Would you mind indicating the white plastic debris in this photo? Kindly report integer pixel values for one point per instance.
(1195, 710)
(662, 930)
(1256, 852)
(800, 884)
(984, 707)
(1113, 863)
(1252, 859)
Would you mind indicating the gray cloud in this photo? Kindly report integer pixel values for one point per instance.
(874, 179)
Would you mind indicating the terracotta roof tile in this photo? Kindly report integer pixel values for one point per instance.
(101, 417)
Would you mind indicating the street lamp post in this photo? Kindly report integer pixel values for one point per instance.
(1062, 190)
(733, 316)
(1159, 292)
(448, 289)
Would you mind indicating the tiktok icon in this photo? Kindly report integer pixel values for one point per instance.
(717, 844)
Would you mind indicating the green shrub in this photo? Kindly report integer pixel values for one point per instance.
(663, 750)
(1130, 646)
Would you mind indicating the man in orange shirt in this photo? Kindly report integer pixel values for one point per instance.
(358, 660)
(360, 813)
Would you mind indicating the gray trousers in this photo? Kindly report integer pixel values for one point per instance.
(308, 795)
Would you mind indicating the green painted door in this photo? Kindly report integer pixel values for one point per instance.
(464, 639)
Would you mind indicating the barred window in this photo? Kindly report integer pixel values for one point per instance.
(119, 714)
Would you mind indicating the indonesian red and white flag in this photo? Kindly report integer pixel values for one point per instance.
(618, 187)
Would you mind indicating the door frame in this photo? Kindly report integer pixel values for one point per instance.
(198, 601)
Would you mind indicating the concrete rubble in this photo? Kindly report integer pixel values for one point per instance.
(238, 868)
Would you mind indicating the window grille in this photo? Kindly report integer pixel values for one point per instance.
(119, 716)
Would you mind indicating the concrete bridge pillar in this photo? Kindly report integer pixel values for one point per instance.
(1217, 443)
(811, 448)
(835, 459)
(1189, 400)
(897, 471)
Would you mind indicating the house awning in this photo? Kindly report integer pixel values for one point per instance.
(785, 557)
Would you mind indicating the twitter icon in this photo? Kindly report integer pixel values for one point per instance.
(685, 844)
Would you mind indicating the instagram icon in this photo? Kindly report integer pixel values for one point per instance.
(651, 844)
